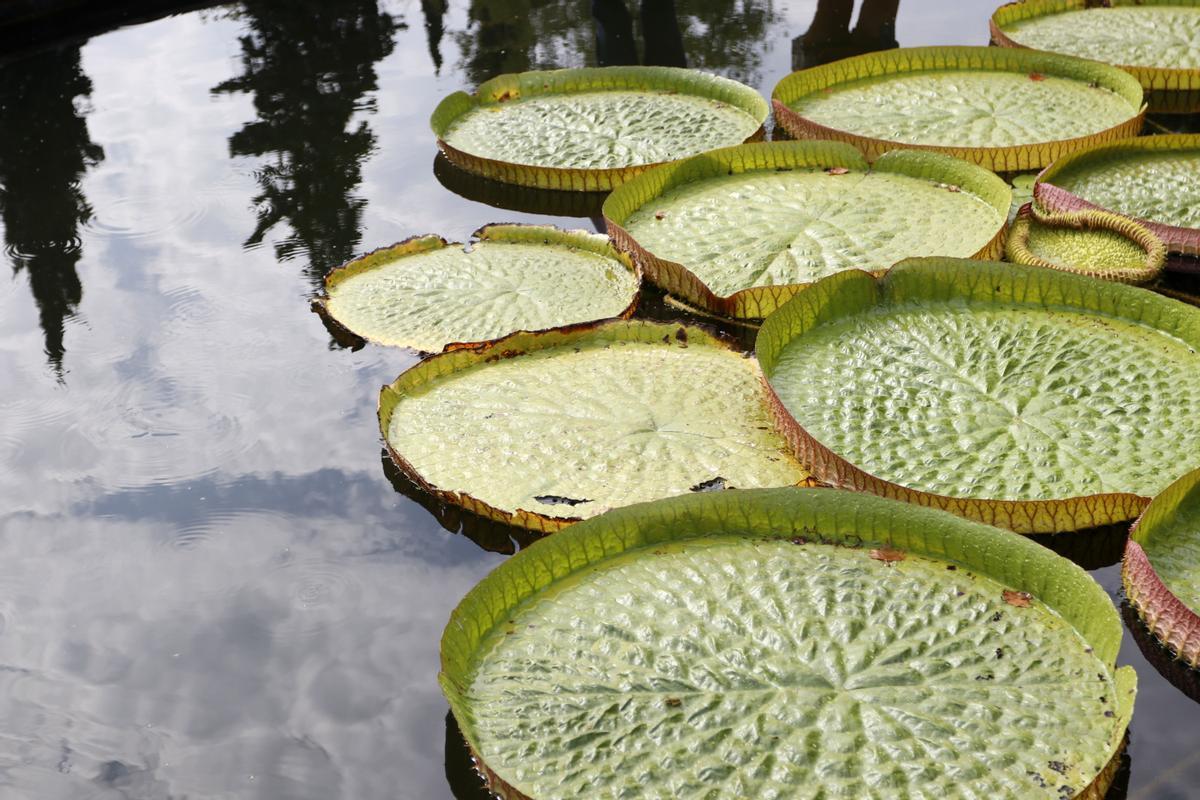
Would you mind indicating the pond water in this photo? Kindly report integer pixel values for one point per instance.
(212, 585)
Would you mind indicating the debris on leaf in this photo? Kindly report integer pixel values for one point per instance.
(712, 485)
(887, 554)
(556, 500)
(1018, 599)
(1036, 76)
(837, 170)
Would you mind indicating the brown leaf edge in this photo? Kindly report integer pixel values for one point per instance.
(746, 513)
(827, 300)
(437, 367)
(499, 232)
(1152, 79)
(511, 86)
(912, 59)
(755, 303)
(1169, 619)
(1018, 250)
(1052, 197)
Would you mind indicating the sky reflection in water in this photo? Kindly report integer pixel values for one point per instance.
(209, 585)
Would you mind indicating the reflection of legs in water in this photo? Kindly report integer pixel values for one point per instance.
(660, 31)
(829, 38)
(614, 33)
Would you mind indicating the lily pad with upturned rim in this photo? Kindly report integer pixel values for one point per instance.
(1093, 243)
(1153, 40)
(590, 129)
(738, 231)
(788, 643)
(540, 430)
(1161, 572)
(1153, 179)
(427, 294)
(1028, 398)
(1005, 109)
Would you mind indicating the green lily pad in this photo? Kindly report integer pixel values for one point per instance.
(788, 643)
(1153, 179)
(1005, 109)
(1094, 243)
(431, 295)
(1161, 571)
(740, 230)
(1028, 398)
(1154, 40)
(539, 430)
(591, 129)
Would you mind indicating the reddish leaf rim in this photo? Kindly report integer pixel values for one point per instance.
(1169, 619)
(911, 59)
(1052, 197)
(1018, 251)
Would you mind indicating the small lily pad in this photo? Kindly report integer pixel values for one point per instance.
(1094, 243)
(1032, 399)
(1153, 179)
(740, 230)
(1005, 109)
(755, 644)
(540, 430)
(590, 129)
(1154, 41)
(430, 295)
(1161, 572)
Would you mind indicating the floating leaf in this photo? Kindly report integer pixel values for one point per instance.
(427, 294)
(1095, 243)
(1028, 398)
(746, 644)
(1154, 40)
(740, 230)
(539, 430)
(1153, 179)
(978, 103)
(1161, 571)
(591, 129)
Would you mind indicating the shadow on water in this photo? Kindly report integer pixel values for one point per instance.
(523, 199)
(310, 66)
(488, 534)
(830, 36)
(1093, 548)
(45, 149)
(1183, 677)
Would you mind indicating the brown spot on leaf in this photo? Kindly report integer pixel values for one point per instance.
(508, 95)
(1018, 599)
(1057, 766)
(887, 554)
(1037, 76)
(681, 335)
(659, 215)
(837, 170)
(950, 187)
(674, 702)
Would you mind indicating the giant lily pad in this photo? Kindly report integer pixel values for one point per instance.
(427, 294)
(591, 129)
(1153, 179)
(1162, 567)
(798, 643)
(740, 230)
(1006, 109)
(1154, 40)
(1029, 398)
(1094, 243)
(539, 430)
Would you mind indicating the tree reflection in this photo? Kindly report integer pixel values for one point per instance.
(45, 149)
(309, 66)
(723, 36)
(830, 37)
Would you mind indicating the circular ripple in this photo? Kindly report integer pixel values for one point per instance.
(145, 217)
(311, 594)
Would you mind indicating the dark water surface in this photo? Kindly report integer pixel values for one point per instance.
(211, 585)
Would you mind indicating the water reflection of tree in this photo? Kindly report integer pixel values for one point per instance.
(830, 36)
(45, 149)
(723, 36)
(309, 66)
